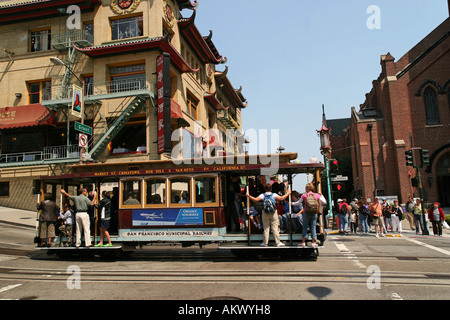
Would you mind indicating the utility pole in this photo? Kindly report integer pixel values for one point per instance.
(418, 161)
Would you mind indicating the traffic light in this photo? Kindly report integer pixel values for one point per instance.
(409, 158)
(424, 157)
(334, 165)
(336, 187)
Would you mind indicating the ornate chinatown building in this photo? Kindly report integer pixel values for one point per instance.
(107, 81)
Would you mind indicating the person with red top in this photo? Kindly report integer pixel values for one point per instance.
(436, 216)
(344, 211)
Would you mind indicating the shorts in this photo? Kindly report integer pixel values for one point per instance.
(47, 229)
(377, 220)
(104, 224)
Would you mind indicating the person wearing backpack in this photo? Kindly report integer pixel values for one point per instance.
(312, 204)
(270, 214)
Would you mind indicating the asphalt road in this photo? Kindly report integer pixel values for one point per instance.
(348, 268)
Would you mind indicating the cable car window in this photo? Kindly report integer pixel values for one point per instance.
(205, 190)
(131, 193)
(156, 191)
(180, 190)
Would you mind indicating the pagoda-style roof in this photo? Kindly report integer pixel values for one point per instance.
(211, 97)
(122, 47)
(187, 4)
(203, 46)
(234, 94)
(12, 11)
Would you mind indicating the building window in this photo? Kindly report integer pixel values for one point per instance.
(126, 28)
(4, 189)
(192, 105)
(39, 91)
(127, 78)
(431, 107)
(89, 32)
(156, 191)
(40, 40)
(88, 85)
(180, 191)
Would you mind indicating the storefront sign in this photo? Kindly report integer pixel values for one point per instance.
(168, 217)
(163, 112)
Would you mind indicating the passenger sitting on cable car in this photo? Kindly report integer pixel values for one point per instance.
(131, 199)
(255, 217)
(184, 197)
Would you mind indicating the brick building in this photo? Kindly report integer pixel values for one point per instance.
(145, 72)
(408, 106)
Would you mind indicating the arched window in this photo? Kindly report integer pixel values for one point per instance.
(431, 107)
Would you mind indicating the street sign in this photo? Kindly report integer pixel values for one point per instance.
(82, 140)
(339, 179)
(83, 128)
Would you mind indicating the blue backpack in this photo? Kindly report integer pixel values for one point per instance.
(269, 203)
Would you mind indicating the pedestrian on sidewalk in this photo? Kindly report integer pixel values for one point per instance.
(396, 218)
(409, 206)
(376, 211)
(436, 216)
(418, 217)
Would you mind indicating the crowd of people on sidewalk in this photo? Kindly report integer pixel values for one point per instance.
(387, 217)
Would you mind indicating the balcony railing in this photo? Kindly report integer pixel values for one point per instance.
(111, 87)
(64, 40)
(48, 154)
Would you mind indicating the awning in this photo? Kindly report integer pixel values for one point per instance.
(177, 114)
(25, 116)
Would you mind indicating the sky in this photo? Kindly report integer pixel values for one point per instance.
(292, 56)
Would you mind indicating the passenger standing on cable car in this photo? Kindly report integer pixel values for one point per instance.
(270, 219)
(47, 219)
(310, 218)
(104, 209)
(232, 218)
(82, 204)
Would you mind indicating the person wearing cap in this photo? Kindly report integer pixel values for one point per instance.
(376, 211)
(436, 216)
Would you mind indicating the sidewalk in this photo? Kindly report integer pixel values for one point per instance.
(18, 217)
(406, 232)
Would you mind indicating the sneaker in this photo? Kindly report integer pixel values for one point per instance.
(98, 245)
(303, 245)
(107, 245)
(281, 244)
(315, 245)
(377, 236)
(263, 245)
